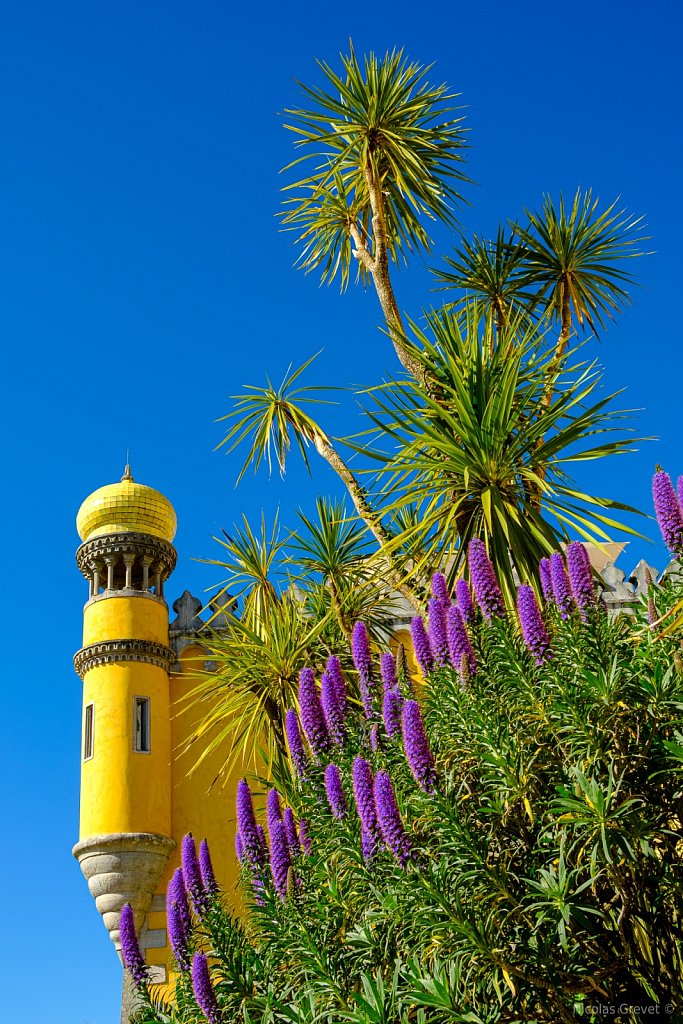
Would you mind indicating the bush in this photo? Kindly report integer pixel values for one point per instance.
(520, 860)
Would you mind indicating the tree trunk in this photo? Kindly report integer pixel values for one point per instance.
(371, 519)
(549, 390)
(377, 265)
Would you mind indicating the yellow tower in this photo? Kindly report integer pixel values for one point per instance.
(126, 834)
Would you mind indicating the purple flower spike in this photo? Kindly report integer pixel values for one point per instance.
(335, 791)
(391, 712)
(363, 794)
(203, 989)
(562, 591)
(438, 640)
(260, 832)
(335, 673)
(387, 667)
(459, 645)
(192, 876)
(362, 659)
(580, 576)
(239, 847)
(546, 579)
(312, 718)
(440, 589)
(177, 937)
(291, 833)
(421, 646)
(206, 869)
(273, 808)
(176, 893)
(484, 582)
(133, 959)
(295, 743)
(335, 713)
(178, 920)
(668, 511)
(369, 844)
(679, 489)
(246, 821)
(389, 818)
(280, 860)
(305, 837)
(531, 624)
(463, 596)
(416, 745)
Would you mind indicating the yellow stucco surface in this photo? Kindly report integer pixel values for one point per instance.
(198, 807)
(122, 617)
(123, 790)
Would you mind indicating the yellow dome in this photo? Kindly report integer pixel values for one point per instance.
(126, 507)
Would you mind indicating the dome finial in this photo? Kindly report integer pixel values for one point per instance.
(127, 475)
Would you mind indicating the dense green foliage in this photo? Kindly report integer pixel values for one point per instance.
(547, 873)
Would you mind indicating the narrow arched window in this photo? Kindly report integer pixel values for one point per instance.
(141, 723)
(88, 731)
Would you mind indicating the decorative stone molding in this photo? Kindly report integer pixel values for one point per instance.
(189, 628)
(141, 545)
(124, 867)
(109, 651)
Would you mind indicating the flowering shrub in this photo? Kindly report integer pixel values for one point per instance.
(506, 847)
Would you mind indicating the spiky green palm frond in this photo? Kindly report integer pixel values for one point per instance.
(475, 461)
(255, 681)
(491, 271)
(268, 417)
(574, 258)
(377, 124)
(251, 562)
(333, 544)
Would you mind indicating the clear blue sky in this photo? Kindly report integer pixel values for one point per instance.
(144, 280)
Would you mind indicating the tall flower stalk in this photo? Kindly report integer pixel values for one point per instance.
(334, 791)
(312, 717)
(562, 591)
(417, 749)
(459, 645)
(363, 795)
(438, 639)
(421, 646)
(484, 583)
(580, 577)
(280, 858)
(389, 818)
(668, 511)
(203, 989)
(362, 659)
(133, 960)
(463, 596)
(252, 841)
(192, 876)
(531, 624)
(295, 743)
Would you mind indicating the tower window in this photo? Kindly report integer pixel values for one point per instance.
(89, 731)
(141, 742)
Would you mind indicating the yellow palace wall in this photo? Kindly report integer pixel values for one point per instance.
(197, 806)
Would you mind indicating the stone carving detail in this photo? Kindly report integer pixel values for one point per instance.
(91, 555)
(188, 627)
(108, 651)
(187, 609)
(123, 868)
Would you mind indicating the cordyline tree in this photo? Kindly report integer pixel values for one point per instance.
(382, 151)
(480, 434)
(508, 849)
